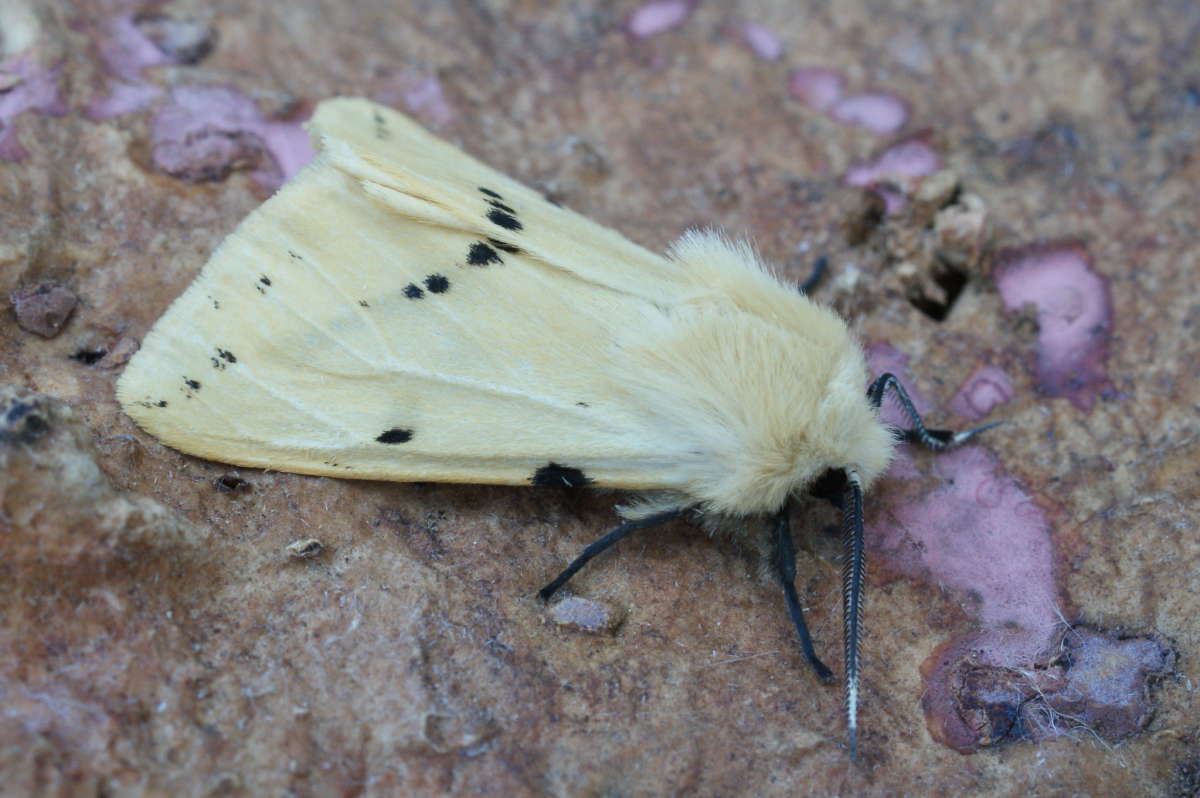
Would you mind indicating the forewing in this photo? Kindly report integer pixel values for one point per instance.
(398, 161)
(399, 311)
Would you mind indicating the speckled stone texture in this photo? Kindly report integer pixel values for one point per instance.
(1007, 196)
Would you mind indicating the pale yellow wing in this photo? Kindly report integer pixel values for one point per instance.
(400, 311)
(398, 161)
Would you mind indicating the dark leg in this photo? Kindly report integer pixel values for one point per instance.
(936, 439)
(854, 571)
(785, 567)
(603, 543)
(818, 271)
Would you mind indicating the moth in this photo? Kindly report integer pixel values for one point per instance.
(400, 311)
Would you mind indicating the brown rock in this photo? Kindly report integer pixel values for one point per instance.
(183, 41)
(43, 310)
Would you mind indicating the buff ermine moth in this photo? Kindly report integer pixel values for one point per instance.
(400, 311)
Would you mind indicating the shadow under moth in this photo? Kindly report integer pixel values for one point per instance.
(400, 311)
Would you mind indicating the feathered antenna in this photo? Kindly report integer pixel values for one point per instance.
(854, 572)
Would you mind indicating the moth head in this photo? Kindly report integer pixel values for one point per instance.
(847, 434)
(852, 438)
(840, 433)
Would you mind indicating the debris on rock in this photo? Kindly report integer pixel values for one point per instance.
(305, 549)
(930, 234)
(586, 615)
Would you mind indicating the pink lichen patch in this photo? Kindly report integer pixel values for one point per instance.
(32, 88)
(987, 388)
(816, 87)
(657, 17)
(123, 98)
(420, 93)
(43, 310)
(204, 133)
(1074, 315)
(912, 157)
(877, 112)
(1105, 685)
(979, 705)
(980, 535)
(890, 173)
(1085, 681)
(761, 40)
(425, 98)
(125, 50)
(130, 43)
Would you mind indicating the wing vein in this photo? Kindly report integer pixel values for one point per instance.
(328, 334)
(319, 417)
(370, 322)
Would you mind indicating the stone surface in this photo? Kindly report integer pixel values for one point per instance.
(156, 637)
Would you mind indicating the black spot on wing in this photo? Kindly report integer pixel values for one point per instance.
(487, 192)
(161, 403)
(512, 249)
(480, 254)
(412, 291)
(395, 435)
(264, 282)
(437, 283)
(193, 384)
(505, 220)
(362, 303)
(294, 255)
(381, 129)
(500, 206)
(224, 357)
(553, 475)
